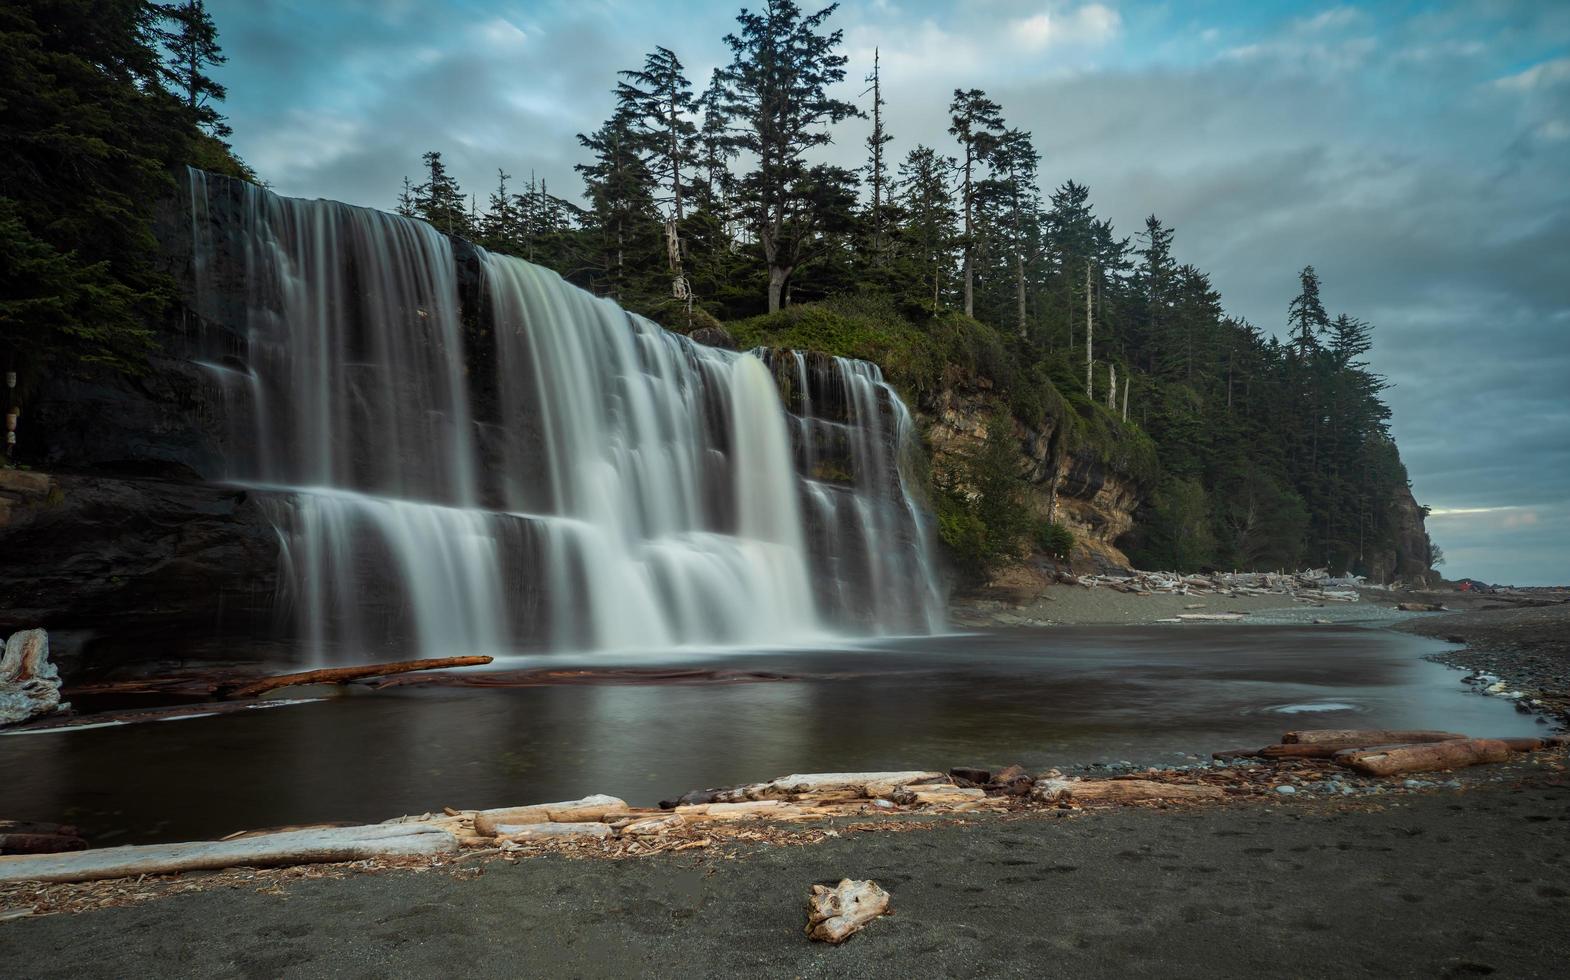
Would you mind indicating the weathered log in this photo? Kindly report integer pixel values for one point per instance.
(342, 675)
(34, 843)
(1354, 737)
(587, 810)
(835, 914)
(1392, 760)
(317, 846)
(654, 825)
(1209, 617)
(1420, 607)
(757, 809)
(539, 831)
(1528, 744)
(853, 782)
(1120, 790)
(936, 795)
(29, 683)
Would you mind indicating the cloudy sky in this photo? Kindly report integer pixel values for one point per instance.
(1417, 154)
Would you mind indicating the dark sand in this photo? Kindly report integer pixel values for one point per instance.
(1461, 883)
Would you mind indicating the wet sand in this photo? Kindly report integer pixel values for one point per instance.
(1454, 884)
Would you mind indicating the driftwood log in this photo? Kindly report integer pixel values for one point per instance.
(342, 675)
(590, 809)
(27, 837)
(1120, 790)
(1354, 737)
(835, 914)
(316, 846)
(1393, 760)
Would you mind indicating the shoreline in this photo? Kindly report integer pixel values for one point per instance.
(1095, 891)
(972, 891)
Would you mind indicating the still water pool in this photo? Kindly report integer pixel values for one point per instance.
(1060, 696)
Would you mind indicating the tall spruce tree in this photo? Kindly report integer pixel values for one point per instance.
(775, 93)
(191, 39)
(439, 200)
(876, 168)
(977, 123)
(928, 204)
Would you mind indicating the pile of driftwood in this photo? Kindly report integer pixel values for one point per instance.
(1315, 585)
(607, 825)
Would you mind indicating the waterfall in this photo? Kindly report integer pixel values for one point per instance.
(461, 452)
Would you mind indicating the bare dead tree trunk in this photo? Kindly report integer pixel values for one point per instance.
(1089, 335)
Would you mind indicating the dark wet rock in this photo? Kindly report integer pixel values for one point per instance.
(139, 568)
(714, 337)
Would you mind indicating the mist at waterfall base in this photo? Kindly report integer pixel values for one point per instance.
(1060, 697)
(462, 453)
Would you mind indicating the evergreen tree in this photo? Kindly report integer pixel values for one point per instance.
(876, 169)
(775, 92)
(1306, 317)
(928, 204)
(659, 104)
(191, 39)
(405, 205)
(622, 222)
(88, 137)
(977, 123)
(439, 200)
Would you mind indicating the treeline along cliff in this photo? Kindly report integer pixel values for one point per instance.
(1083, 394)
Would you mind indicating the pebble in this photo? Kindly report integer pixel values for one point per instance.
(1286, 790)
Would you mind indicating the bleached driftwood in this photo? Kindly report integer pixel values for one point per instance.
(835, 914)
(342, 675)
(848, 783)
(535, 831)
(314, 846)
(1392, 760)
(29, 683)
(1120, 790)
(590, 809)
(654, 825)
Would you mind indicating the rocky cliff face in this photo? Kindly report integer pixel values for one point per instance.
(1073, 489)
(1407, 561)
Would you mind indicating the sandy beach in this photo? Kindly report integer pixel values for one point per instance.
(1430, 884)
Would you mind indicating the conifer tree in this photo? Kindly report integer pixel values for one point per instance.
(977, 122)
(775, 93)
(191, 39)
(928, 204)
(622, 220)
(876, 168)
(439, 200)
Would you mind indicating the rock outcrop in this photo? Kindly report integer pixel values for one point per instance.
(140, 569)
(1072, 488)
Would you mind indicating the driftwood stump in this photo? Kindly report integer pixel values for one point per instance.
(29, 683)
(835, 914)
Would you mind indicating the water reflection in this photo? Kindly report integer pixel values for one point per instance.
(1038, 697)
